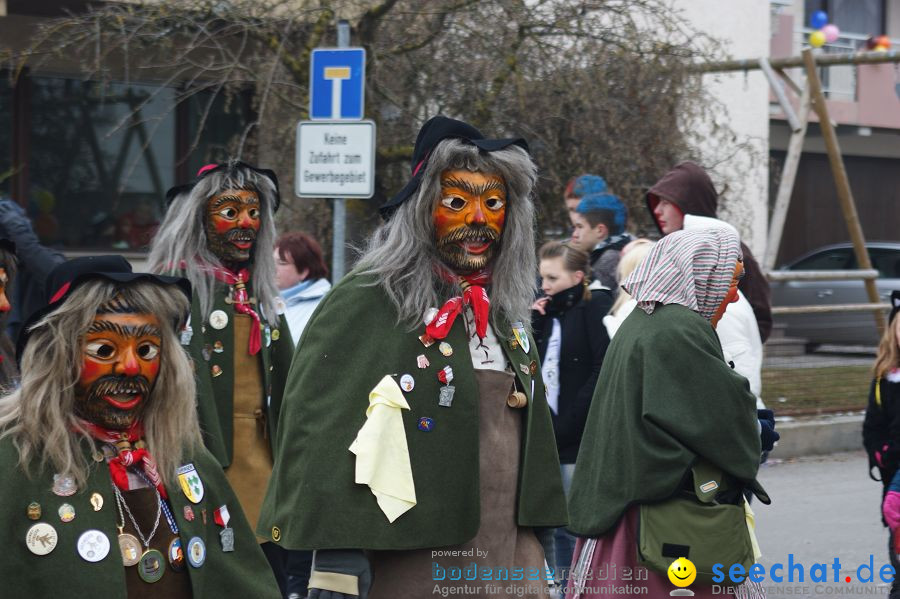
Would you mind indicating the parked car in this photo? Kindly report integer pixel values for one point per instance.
(848, 328)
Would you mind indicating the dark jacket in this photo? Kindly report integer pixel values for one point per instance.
(62, 573)
(351, 342)
(881, 430)
(690, 188)
(35, 263)
(605, 260)
(582, 348)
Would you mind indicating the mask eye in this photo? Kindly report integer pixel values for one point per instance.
(100, 349)
(494, 203)
(228, 213)
(454, 203)
(254, 213)
(147, 350)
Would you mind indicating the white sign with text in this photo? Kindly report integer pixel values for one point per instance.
(335, 159)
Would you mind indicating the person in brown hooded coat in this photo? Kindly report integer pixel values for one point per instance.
(688, 190)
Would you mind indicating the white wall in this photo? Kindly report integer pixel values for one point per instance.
(744, 30)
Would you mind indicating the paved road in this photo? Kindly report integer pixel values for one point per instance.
(822, 508)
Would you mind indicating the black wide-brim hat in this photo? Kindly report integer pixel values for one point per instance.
(435, 130)
(67, 276)
(212, 168)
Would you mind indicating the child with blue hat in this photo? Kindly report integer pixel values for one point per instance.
(599, 228)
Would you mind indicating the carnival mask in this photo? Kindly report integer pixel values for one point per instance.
(4, 300)
(732, 295)
(120, 365)
(232, 222)
(468, 219)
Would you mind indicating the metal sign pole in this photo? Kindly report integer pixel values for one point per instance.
(339, 205)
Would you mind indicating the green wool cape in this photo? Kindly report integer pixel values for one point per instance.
(665, 397)
(351, 342)
(63, 573)
(215, 394)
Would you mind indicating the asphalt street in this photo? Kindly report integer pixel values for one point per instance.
(822, 508)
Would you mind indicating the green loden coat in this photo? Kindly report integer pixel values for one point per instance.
(665, 397)
(215, 399)
(63, 573)
(350, 343)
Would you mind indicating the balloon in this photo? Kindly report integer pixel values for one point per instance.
(832, 33)
(816, 39)
(883, 40)
(818, 19)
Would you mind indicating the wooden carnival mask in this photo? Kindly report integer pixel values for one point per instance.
(232, 223)
(120, 365)
(468, 219)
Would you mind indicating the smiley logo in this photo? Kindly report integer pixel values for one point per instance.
(682, 572)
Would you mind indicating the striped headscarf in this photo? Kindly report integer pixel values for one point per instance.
(690, 268)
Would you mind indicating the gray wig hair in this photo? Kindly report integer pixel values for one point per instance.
(40, 415)
(181, 244)
(402, 253)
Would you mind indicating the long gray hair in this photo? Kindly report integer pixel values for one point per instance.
(181, 238)
(402, 251)
(40, 415)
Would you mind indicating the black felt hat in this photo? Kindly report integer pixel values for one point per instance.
(435, 130)
(895, 305)
(67, 276)
(212, 168)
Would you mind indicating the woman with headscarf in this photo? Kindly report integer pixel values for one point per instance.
(666, 400)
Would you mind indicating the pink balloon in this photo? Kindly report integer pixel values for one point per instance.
(832, 33)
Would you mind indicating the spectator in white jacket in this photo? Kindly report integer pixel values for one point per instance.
(301, 276)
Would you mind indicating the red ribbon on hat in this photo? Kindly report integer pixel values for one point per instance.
(127, 458)
(474, 295)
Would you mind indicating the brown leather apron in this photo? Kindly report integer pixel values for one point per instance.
(500, 543)
(251, 464)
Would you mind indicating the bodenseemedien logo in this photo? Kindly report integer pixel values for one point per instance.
(682, 573)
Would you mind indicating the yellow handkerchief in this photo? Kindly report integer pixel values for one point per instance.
(751, 526)
(382, 455)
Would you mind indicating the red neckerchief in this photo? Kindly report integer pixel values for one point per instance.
(474, 295)
(128, 457)
(240, 299)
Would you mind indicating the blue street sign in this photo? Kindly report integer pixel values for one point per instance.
(337, 83)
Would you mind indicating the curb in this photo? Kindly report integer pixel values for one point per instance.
(818, 436)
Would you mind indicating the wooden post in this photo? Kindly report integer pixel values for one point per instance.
(780, 95)
(786, 185)
(841, 182)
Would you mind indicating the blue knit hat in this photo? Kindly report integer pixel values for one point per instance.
(585, 185)
(605, 201)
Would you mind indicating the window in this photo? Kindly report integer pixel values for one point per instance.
(101, 156)
(836, 259)
(6, 140)
(864, 17)
(98, 175)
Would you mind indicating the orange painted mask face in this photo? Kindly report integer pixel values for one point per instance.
(232, 223)
(4, 300)
(120, 365)
(732, 295)
(468, 219)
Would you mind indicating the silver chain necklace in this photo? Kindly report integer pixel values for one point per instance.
(120, 501)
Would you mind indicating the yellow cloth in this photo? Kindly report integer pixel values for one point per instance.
(751, 528)
(382, 455)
